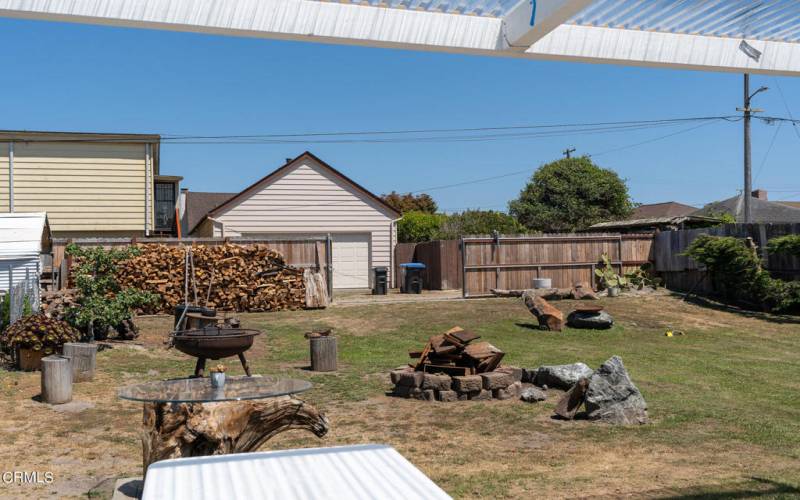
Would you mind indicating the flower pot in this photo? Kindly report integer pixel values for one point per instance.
(217, 379)
(613, 292)
(29, 360)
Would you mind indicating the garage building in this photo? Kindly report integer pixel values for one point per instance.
(305, 198)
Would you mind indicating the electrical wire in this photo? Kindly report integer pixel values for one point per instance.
(766, 154)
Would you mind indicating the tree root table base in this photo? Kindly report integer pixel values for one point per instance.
(178, 430)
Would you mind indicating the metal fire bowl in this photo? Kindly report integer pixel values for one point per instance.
(214, 343)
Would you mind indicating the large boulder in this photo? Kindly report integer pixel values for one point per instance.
(599, 320)
(562, 376)
(548, 316)
(612, 397)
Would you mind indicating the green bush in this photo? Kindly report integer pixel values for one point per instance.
(416, 227)
(736, 272)
(789, 244)
(478, 222)
(102, 303)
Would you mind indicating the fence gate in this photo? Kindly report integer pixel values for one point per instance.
(512, 262)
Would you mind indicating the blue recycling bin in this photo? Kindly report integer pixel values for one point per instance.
(411, 277)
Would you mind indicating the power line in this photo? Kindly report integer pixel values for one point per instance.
(769, 149)
(648, 141)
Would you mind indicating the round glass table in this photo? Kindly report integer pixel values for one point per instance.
(188, 417)
(199, 390)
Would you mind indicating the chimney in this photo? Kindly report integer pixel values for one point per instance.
(761, 194)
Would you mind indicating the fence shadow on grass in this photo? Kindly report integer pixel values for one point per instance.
(755, 487)
(715, 304)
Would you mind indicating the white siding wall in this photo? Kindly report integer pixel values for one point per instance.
(306, 200)
(12, 271)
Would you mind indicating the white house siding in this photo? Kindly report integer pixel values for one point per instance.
(309, 200)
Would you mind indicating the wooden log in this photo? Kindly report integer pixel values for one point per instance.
(56, 380)
(323, 354)
(83, 358)
(191, 430)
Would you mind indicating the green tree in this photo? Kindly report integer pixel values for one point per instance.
(478, 222)
(102, 302)
(416, 227)
(789, 245)
(571, 194)
(409, 202)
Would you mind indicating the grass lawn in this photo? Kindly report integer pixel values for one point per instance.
(724, 401)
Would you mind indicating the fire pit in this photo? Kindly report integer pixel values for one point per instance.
(214, 343)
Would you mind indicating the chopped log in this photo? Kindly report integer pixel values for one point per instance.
(83, 358)
(191, 430)
(316, 290)
(572, 400)
(548, 316)
(56, 380)
(323, 354)
(500, 292)
(583, 291)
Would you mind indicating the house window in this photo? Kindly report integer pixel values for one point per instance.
(165, 206)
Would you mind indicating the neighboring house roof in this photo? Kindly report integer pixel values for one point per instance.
(653, 223)
(279, 172)
(793, 204)
(23, 234)
(666, 209)
(42, 136)
(198, 204)
(762, 211)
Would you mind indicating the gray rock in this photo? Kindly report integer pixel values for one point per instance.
(529, 375)
(533, 395)
(594, 320)
(612, 397)
(562, 376)
(439, 382)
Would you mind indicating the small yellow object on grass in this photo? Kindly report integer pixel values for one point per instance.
(668, 334)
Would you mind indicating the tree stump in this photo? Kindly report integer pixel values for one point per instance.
(83, 358)
(56, 380)
(323, 354)
(177, 430)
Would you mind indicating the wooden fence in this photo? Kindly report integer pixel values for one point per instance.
(511, 262)
(442, 259)
(300, 253)
(683, 274)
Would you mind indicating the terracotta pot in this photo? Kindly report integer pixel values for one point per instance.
(29, 360)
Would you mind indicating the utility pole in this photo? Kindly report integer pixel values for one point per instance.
(748, 181)
(568, 152)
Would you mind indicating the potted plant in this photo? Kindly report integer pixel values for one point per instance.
(32, 337)
(608, 278)
(218, 376)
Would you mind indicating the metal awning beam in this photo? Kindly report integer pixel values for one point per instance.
(530, 20)
(571, 42)
(556, 33)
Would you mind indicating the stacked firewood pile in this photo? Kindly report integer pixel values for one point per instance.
(55, 303)
(232, 277)
(453, 366)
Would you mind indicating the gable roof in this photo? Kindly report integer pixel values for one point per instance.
(198, 204)
(23, 234)
(288, 165)
(762, 211)
(666, 209)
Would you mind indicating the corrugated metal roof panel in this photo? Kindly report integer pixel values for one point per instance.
(21, 234)
(352, 472)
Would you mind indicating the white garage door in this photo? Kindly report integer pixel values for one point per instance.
(350, 260)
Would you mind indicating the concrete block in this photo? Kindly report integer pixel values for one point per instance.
(468, 383)
(448, 396)
(439, 382)
(496, 380)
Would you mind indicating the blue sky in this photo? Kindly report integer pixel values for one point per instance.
(87, 78)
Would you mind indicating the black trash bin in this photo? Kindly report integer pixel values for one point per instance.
(381, 282)
(411, 277)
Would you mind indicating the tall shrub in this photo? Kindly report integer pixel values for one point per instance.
(102, 302)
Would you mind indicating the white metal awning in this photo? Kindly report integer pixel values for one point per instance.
(696, 34)
(344, 472)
